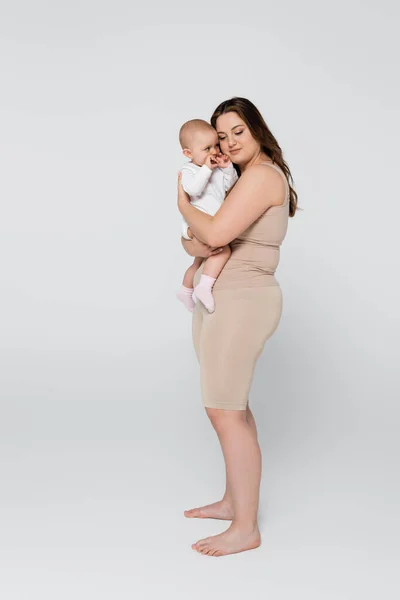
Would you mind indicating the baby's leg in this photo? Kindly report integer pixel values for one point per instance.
(191, 271)
(214, 264)
(212, 268)
(186, 291)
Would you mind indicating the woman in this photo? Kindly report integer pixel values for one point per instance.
(248, 306)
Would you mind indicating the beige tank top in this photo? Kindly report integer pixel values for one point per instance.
(255, 252)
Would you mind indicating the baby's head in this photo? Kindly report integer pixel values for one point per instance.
(198, 139)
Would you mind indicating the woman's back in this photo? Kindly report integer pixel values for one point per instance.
(256, 251)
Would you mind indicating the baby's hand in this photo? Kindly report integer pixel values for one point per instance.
(211, 162)
(223, 161)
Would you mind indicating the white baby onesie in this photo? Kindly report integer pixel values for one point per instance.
(206, 187)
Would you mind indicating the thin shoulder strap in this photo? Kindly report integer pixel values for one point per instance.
(283, 175)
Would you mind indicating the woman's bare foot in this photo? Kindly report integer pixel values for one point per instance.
(234, 539)
(218, 510)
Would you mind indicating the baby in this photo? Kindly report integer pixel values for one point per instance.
(206, 178)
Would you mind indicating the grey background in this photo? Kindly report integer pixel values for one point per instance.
(104, 441)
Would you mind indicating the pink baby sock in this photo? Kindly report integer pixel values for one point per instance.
(185, 296)
(203, 291)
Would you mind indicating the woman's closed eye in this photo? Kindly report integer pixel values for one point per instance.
(236, 133)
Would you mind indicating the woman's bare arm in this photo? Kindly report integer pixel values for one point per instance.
(195, 247)
(257, 190)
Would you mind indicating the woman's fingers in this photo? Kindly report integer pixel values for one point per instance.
(215, 251)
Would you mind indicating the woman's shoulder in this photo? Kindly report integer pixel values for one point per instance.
(266, 169)
(265, 174)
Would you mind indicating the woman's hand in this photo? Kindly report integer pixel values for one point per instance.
(183, 197)
(195, 247)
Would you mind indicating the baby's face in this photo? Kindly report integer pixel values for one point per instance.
(203, 144)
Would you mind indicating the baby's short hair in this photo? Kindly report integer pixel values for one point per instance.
(189, 128)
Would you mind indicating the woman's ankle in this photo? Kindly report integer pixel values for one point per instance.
(227, 499)
(245, 523)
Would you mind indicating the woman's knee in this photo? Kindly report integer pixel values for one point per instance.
(222, 419)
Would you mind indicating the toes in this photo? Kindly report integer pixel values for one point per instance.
(208, 547)
(207, 550)
(199, 547)
(211, 550)
(196, 546)
(202, 545)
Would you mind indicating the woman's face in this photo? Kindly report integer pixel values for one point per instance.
(235, 139)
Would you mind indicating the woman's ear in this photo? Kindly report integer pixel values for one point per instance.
(187, 153)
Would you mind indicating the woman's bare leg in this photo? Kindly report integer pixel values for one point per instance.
(252, 424)
(243, 467)
(223, 509)
(251, 421)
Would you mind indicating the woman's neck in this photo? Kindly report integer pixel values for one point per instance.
(256, 160)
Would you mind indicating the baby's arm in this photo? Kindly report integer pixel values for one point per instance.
(194, 182)
(230, 176)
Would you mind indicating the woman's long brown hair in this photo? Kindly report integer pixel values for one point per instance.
(260, 132)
